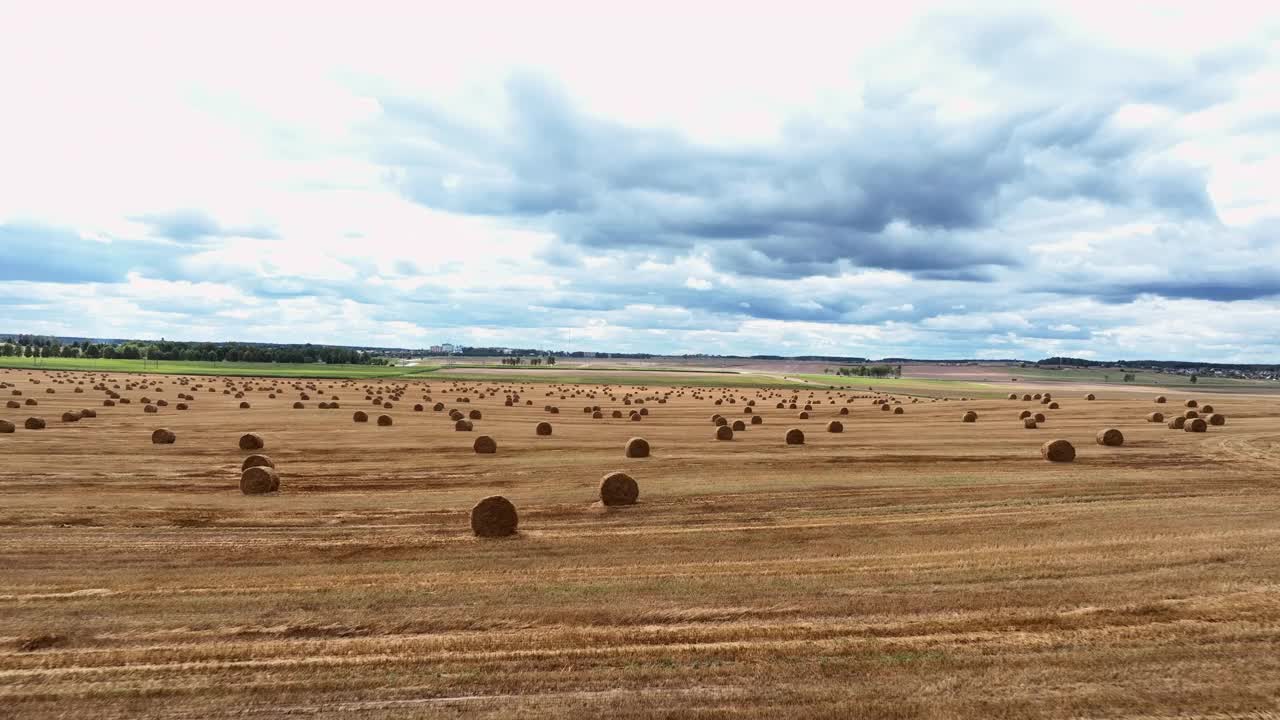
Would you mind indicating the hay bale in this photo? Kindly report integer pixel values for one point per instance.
(1013, 396)
(724, 432)
(1090, 396)
(757, 420)
(1026, 398)
(14, 404)
(298, 405)
(87, 413)
(597, 415)
(34, 423)
(244, 405)
(844, 411)
(898, 410)
(182, 406)
(494, 516)
(1110, 437)
(385, 421)
(485, 445)
(256, 461)
(259, 480)
(636, 447)
(163, 436)
(456, 415)
(1024, 414)
(70, 417)
(970, 416)
(1217, 419)
(1206, 409)
(463, 425)
(474, 415)
(1190, 414)
(1177, 422)
(1160, 399)
(1053, 406)
(251, 441)
(1039, 417)
(7, 427)
(437, 407)
(542, 429)
(619, 488)
(718, 420)
(1196, 425)
(1191, 404)
(835, 426)
(1155, 417)
(803, 415)
(1058, 451)
(795, 436)
(1029, 423)
(360, 416)
(738, 425)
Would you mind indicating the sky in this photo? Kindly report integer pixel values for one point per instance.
(933, 180)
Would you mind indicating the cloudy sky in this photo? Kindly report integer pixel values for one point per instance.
(1014, 182)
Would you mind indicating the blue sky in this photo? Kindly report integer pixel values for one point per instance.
(1011, 181)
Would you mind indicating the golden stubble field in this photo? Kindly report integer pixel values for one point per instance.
(911, 566)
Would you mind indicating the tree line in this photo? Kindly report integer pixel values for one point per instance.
(35, 346)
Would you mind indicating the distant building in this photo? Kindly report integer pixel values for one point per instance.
(436, 350)
(447, 348)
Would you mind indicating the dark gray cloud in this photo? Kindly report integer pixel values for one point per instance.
(820, 198)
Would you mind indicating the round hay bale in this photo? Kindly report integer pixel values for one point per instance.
(34, 423)
(385, 420)
(1190, 414)
(163, 437)
(360, 416)
(474, 415)
(1177, 422)
(1024, 414)
(298, 405)
(244, 405)
(1191, 404)
(970, 416)
(1206, 409)
(251, 441)
(1217, 419)
(738, 425)
(259, 480)
(7, 427)
(757, 420)
(485, 445)
(884, 407)
(597, 415)
(437, 407)
(1090, 396)
(1027, 397)
(844, 411)
(803, 415)
(619, 488)
(1039, 417)
(152, 409)
(1029, 423)
(718, 420)
(1110, 437)
(636, 447)
(1053, 406)
(14, 404)
(616, 414)
(87, 413)
(1013, 396)
(899, 411)
(182, 406)
(418, 408)
(456, 415)
(463, 425)
(494, 516)
(1160, 399)
(1155, 417)
(1196, 425)
(724, 432)
(70, 417)
(256, 461)
(542, 429)
(31, 402)
(795, 436)
(1058, 451)
(835, 426)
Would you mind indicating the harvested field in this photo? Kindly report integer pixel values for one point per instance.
(911, 566)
